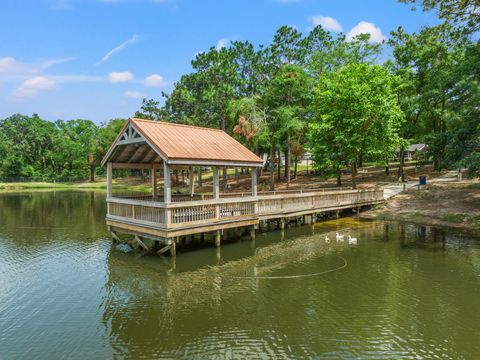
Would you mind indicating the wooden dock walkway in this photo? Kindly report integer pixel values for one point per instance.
(166, 221)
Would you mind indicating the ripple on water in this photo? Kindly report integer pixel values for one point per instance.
(65, 292)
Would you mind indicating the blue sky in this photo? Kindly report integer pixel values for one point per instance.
(96, 59)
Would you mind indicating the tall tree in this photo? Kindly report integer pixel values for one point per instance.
(286, 100)
(464, 15)
(425, 64)
(355, 112)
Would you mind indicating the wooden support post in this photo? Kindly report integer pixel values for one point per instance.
(216, 185)
(153, 171)
(282, 224)
(252, 233)
(173, 249)
(254, 189)
(216, 191)
(314, 218)
(218, 238)
(109, 179)
(191, 180)
(337, 213)
(167, 190)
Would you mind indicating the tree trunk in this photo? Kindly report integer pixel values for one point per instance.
(354, 174)
(225, 178)
(200, 177)
(360, 161)
(387, 168)
(272, 168)
(92, 173)
(339, 177)
(295, 167)
(279, 170)
(287, 160)
(401, 162)
(222, 119)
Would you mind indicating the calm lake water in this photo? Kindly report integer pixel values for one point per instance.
(402, 291)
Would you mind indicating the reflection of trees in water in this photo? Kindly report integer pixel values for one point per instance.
(201, 301)
(385, 295)
(432, 238)
(62, 215)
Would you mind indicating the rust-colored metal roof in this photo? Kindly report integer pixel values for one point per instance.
(184, 142)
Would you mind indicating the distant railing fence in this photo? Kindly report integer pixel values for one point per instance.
(42, 179)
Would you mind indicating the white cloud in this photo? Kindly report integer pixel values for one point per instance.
(10, 66)
(119, 77)
(62, 4)
(13, 68)
(364, 27)
(75, 78)
(52, 62)
(133, 94)
(222, 43)
(327, 22)
(154, 80)
(118, 48)
(31, 86)
(196, 54)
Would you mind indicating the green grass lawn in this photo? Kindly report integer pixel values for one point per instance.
(86, 185)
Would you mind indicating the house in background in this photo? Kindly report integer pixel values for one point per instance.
(412, 152)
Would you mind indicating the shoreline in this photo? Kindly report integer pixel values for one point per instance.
(454, 205)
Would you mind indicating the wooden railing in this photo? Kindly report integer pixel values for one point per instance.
(148, 211)
(211, 210)
(209, 196)
(191, 213)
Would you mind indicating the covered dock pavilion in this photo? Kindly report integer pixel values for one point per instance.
(162, 148)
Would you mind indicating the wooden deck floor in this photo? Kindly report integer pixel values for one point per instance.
(161, 221)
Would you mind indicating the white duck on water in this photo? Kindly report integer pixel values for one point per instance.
(352, 240)
(327, 239)
(339, 237)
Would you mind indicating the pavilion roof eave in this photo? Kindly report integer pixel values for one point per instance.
(142, 137)
(116, 143)
(213, 162)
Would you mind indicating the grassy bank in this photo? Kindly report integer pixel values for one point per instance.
(452, 204)
(99, 185)
(50, 185)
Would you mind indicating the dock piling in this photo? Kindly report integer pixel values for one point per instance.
(173, 248)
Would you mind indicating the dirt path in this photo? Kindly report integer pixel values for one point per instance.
(394, 189)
